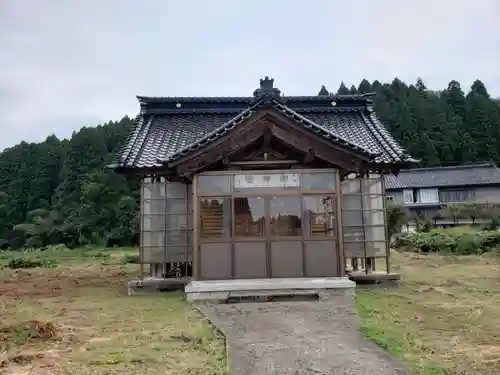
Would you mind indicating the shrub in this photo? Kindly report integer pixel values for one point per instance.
(490, 240)
(18, 263)
(397, 216)
(460, 241)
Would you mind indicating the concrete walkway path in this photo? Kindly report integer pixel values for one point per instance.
(298, 337)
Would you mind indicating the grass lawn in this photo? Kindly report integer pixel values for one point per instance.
(76, 318)
(442, 318)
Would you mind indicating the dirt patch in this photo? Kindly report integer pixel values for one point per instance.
(78, 318)
(28, 364)
(435, 289)
(22, 359)
(26, 332)
(40, 283)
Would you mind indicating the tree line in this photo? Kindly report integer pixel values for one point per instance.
(59, 191)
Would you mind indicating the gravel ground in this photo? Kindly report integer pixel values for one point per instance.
(297, 337)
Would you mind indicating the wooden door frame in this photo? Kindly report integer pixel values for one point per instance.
(337, 240)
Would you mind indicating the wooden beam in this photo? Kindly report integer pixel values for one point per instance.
(264, 163)
(309, 156)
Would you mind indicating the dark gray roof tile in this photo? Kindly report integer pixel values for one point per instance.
(463, 175)
(171, 127)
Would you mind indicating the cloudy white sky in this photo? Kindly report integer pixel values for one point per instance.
(65, 64)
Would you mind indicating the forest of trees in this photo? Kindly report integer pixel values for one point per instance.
(59, 191)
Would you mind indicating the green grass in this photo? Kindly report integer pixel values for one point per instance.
(443, 318)
(60, 253)
(95, 328)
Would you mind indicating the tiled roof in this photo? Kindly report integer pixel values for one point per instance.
(169, 127)
(463, 175)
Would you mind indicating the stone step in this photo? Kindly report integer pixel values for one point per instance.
(267, 289)
(272, 295)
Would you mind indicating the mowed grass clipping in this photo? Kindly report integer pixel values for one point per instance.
(443, 318)
(76, 318)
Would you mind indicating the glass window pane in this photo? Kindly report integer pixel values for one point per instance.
(319, 215)
(153, 238)
(153, 207)
(372, 202)
(153, 254)
(367, 233)
(154, 190)
(375, 233)
(354, 249)
(153, 222)
(352, 218)
(351, 186)
(146, 190)
(215, 217)
(374, 217)
(366, 217)
(318, 181)
(214, 184)
(176, 238)
(372, 186)
(285, 217)
(428, 196)
(176, 206)
(176, 190)
(249, 217)
(408, 196)
(359, 249)
(354, 234)
(376, 249)
(176, 222)
(352, 202)
(177, 253)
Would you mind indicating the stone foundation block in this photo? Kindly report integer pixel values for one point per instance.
(341, 289)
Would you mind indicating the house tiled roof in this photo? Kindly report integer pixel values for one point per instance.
(463, 175)
(170, 127)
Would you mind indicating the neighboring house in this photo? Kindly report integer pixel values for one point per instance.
(264, 186)
(427, 191)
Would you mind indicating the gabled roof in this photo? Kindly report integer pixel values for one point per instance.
(462, 175)
(170, 127)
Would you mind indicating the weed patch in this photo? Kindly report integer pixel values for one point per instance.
(442, 318)
(26, 332)
(97, 328)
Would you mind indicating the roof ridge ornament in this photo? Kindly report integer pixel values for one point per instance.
(266, 92)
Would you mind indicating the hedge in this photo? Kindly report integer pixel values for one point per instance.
(460, 241)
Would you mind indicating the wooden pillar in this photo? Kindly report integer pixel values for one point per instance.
(340, 230)
(362, 176)
(369, 265)
(387, 239)
(355, 264)
(141, 230)
(196, 230)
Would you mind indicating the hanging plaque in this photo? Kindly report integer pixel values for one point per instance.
(282, 180)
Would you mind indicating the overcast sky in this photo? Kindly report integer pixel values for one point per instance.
(65, 64)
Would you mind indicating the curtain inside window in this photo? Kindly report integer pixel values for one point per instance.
(428, 196)
(408, 196)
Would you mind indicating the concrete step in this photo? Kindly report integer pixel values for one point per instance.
(271, 289)
(272, 295)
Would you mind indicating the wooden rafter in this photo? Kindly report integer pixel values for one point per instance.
(264, 129)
